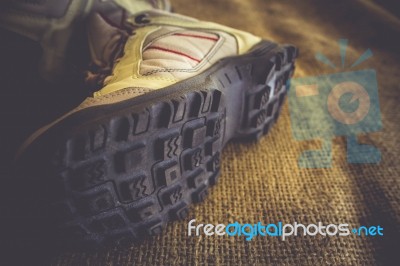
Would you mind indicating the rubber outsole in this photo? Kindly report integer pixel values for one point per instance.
(122, 171)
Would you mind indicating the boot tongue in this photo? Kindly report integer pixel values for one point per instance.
(103, 39)
(107, 33)
(106, 44)
(107, 27)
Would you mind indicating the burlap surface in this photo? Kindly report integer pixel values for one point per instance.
(262, 182)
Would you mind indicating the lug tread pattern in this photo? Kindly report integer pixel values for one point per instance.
(110, 196)
(264, 101)
(126, 176)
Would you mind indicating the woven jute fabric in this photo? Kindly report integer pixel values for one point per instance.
(262, 181)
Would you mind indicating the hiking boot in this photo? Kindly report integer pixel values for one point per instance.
(52, 23)
(171, 92)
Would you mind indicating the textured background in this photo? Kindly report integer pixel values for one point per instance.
(261, 181)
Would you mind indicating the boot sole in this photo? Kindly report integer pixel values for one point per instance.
(121, 172)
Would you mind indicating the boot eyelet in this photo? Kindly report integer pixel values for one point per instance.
(142, 19)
